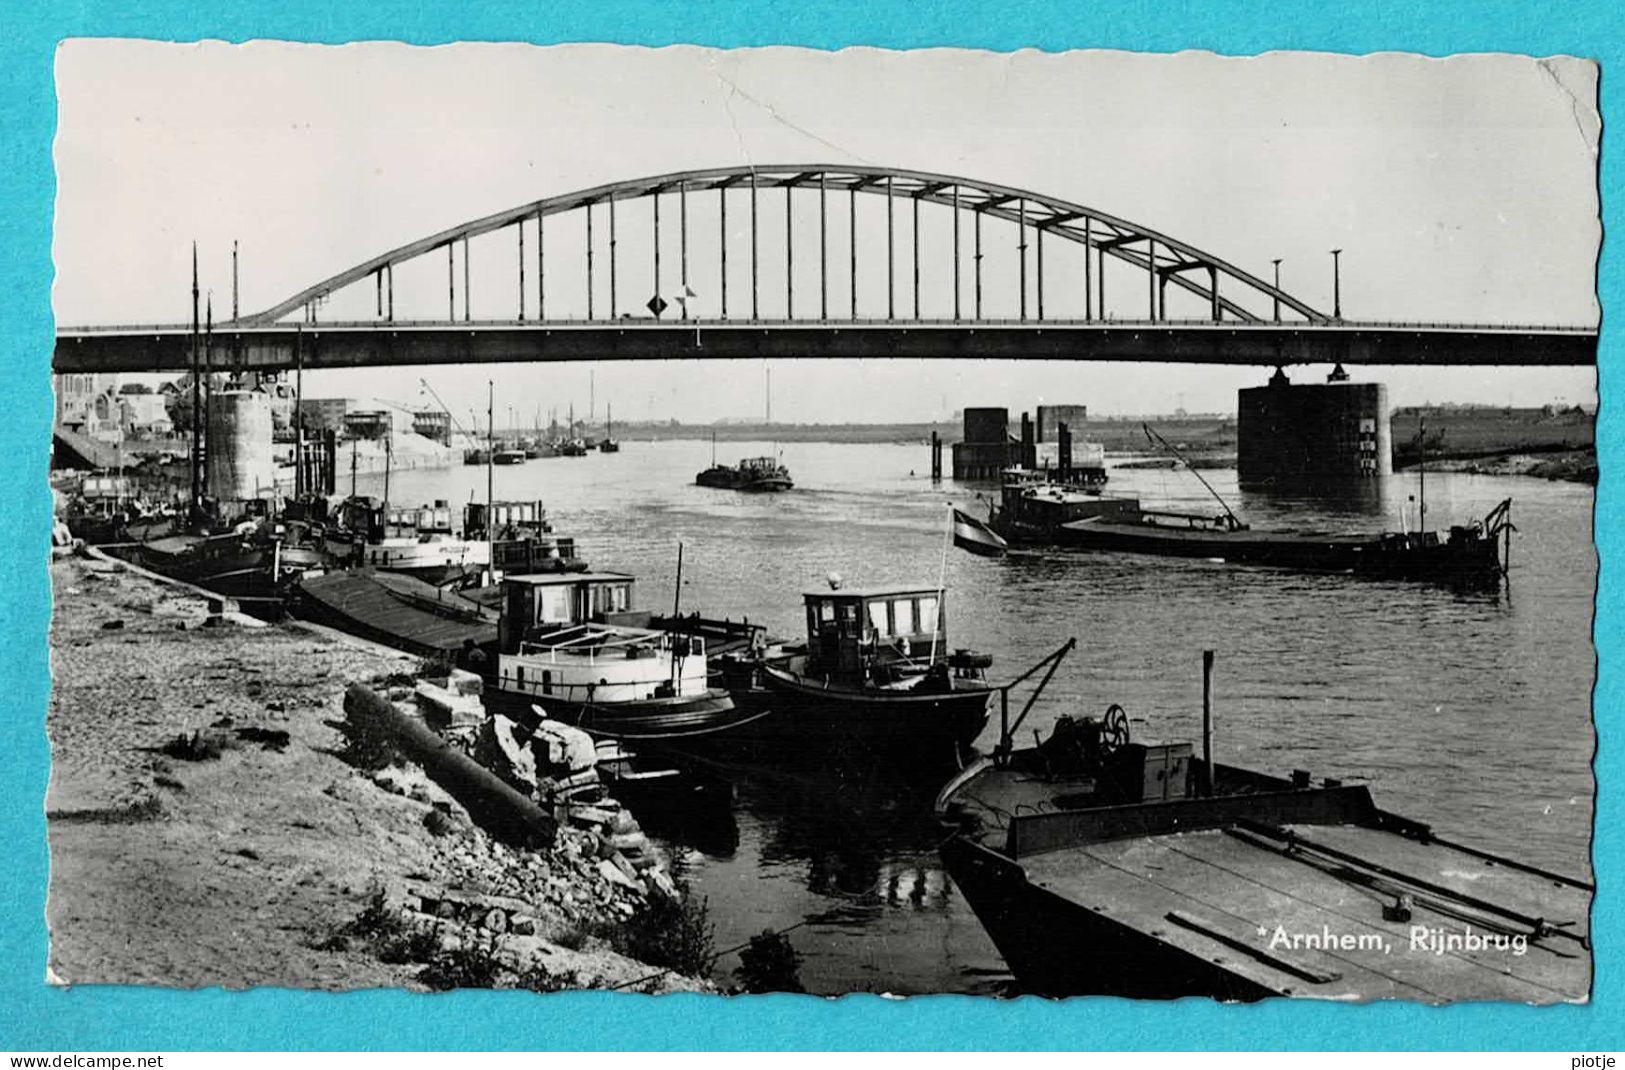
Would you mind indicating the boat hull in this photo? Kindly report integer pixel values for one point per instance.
(1465, 559)
(930, 728)
(672, 719)
(1058, 948)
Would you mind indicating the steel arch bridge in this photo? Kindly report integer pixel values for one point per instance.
(562, 296)
(1163, 259)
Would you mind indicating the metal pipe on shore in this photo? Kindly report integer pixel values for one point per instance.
(494, 806)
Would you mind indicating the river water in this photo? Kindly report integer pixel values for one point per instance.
(1470, 711)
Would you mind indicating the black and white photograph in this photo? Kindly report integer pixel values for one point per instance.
(1051, 524)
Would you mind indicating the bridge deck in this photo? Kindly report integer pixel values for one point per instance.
(163, 347)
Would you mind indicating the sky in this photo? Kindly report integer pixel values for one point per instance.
(1461, 190)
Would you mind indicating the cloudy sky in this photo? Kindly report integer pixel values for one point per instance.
(1460, 190)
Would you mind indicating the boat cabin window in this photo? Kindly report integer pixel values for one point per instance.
(929, 619)
(609, 598)
(877, 618)
(553, 605)
(903, 616)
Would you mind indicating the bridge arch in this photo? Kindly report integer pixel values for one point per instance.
(1165, 260)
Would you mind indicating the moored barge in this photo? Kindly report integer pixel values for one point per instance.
(1100, 866)
(571, 647)
(1036, 513)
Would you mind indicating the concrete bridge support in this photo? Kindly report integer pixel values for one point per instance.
(1313, 435)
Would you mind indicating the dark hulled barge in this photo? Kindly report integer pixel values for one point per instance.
(1100, 866)
(876, 671)
(1032, 512)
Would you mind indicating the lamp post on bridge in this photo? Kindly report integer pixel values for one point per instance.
(1337, 285)
(1277, 263)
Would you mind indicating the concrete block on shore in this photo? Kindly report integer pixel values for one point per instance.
(443, 708)
(464, 682)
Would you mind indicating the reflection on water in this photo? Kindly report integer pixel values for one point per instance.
(1470, 710)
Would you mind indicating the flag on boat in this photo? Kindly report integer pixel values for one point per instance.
(973, 535)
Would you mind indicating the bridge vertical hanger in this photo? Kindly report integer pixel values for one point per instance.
(682, 240)
(656, 228)
(1021, 253)
(541, 267)
(914, 236)
(614, 307)
(722, 245)
(956, 253)
(754, 308)
(1151, 279)
(976, 257)
(852, 244)
(379, 277)
(1038, 237)
(520, 227)
(1100, 280)
(389, 287)
(468, 288)
(451, 284)
(1213, 283)
(789, 255)
(823, 249)
(891, 257)
(1088, 255)
(588, 210)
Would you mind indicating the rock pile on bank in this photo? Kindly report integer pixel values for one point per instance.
(206, 830)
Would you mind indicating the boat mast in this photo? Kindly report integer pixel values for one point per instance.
(299, 418)
(197, 402)
(942, 583)
(1235, 521)
(1422, 471)
(676, 607)
(490, 479)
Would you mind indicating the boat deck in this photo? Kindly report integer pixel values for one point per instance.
(1310, 921)
(399, 611)
(1219, 538)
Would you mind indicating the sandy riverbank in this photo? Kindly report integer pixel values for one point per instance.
(1575, 466)
(254, 854)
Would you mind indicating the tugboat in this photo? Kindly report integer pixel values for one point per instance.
(876, 671)
(521, 537)
(754, 474)
(421, 542)
(1034, 512)
(255, 559)
(567, 649)
(1102, 866)
(107, 509)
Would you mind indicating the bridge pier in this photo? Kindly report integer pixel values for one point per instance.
(1313, 435)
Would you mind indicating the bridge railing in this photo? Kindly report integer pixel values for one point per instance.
(649, 323)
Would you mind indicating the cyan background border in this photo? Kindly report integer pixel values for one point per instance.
(35, 1017)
